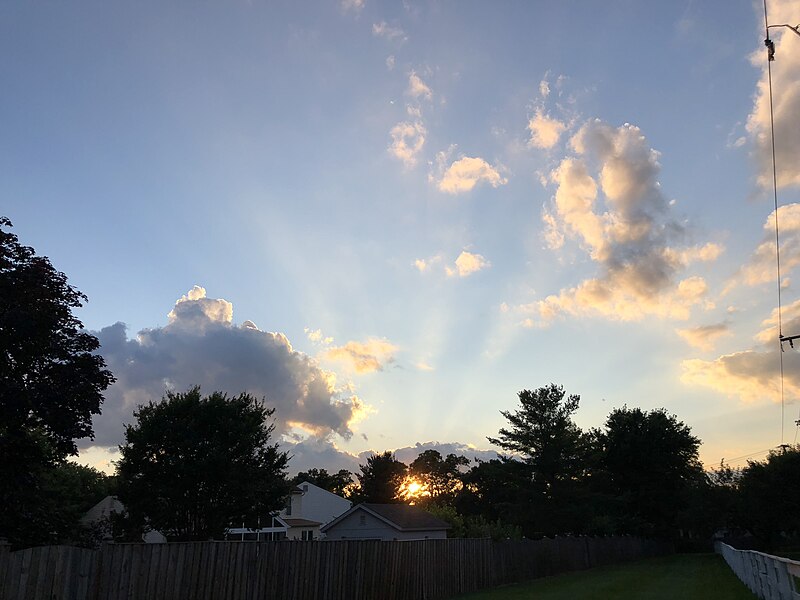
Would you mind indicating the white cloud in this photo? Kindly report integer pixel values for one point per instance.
(418, 88)
(621, 219)
(317, 337)
(390, 61)
(786, 70)
(545, 130)
(363, 357)
(354, 5)
(383, 29)
(466, 264)
(408, 138)
(201, 346)
(424, 265)
(465, 173)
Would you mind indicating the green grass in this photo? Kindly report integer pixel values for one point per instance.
(680, 576)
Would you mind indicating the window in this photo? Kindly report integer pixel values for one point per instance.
(305, 487)
(362, 520)
(307, 536)
(289, 507)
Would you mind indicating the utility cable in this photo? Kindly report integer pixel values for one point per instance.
(770, 57)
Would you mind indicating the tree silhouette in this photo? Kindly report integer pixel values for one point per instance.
(380, 479)
(191, 465)
(51, 380)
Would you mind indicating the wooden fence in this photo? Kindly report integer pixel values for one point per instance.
(291, 570)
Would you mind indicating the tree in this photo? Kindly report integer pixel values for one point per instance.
(440, 479)
(543, 434)
(648, 461)
(336, 483)
(51, 380)
(191, 465)
(380, 479)
(769, 493)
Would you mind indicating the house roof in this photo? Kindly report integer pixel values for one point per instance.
(103, 509)
(399, 516)
(301, 522)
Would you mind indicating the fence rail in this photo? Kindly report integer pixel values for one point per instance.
(287, 570)
(768, 577)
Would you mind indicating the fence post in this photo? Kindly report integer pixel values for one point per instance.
(5, 559)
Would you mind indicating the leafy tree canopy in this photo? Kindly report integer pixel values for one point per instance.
(51, 381)
(193, 465)
(770, 495)
(543, 433)
(337, 483)
(649, 460)
(380, 479)
(439, 477)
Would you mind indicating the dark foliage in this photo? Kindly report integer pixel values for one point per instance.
(380, 480)
(648, 462)
(769, 493)
(337, 483)
(51, 383)
(191, 465)
(439, 477)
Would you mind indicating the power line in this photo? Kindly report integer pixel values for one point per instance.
(770, 57)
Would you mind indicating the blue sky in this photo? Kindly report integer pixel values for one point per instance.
(388, 218)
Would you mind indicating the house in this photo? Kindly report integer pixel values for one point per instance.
(100, 513)
(307, 509)
(385, 522)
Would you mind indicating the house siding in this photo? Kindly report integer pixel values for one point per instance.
(351, 528)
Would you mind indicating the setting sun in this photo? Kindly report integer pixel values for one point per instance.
(411, 490)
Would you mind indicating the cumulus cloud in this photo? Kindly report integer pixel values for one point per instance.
(408, 138)
(545, 130)
(753, 375)
(464, 174)
(407, 454)
(201, 346)
(363, 357)
(418, 88)
(704, 336)
(466, 264)
(323, 454)
(786, 70)
(383, 29)
(621, 219)
(760, 268)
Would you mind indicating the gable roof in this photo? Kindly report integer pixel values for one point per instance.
(103, 509)
(399, 516)
(299, 488)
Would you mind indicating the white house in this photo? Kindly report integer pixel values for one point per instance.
(385, 522)
(100, 513)
(308, 508)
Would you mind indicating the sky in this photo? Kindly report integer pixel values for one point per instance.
(388, 218)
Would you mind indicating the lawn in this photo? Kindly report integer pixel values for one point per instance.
(682, 576)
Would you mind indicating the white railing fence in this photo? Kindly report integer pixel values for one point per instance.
(768, 577)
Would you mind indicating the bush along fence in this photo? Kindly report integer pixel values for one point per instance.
(291, 570)
(768, 577)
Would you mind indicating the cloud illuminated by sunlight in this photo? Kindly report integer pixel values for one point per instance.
(408, 138)
(465, 173)
(363, 357)
(466, 264)
(704, 336)
(621, 220)
(545, 130)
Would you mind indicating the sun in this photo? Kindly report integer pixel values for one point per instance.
(411, 490)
